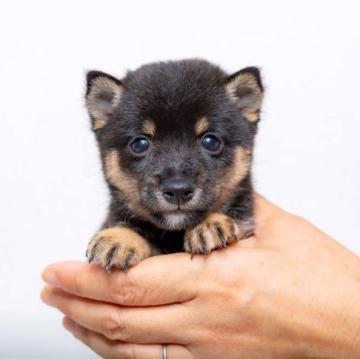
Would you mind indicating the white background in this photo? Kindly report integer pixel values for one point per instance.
(52, 197)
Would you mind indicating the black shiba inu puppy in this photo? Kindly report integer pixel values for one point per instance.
(176, 141)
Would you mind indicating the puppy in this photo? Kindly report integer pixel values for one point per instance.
(176, 141)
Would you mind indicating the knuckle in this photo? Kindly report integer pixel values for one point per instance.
(123, 290)
(114, 327)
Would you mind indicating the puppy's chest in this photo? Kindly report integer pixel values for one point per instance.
(165, 241)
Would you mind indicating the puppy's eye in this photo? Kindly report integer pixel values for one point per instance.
(211, 143)
(140, 145)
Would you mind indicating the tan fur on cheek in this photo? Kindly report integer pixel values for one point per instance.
(149, 127)
(241, 165)
(116, 176)
(201, 125)
(238, 171)
(124, 182)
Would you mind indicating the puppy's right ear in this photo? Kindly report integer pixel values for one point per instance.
(103, 94)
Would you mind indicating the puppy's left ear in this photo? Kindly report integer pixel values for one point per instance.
(103, 94)
(246, 90)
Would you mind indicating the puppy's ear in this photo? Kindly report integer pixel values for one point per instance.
(103, 94)
(246, 89)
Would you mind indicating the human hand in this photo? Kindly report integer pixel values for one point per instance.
(288, 292)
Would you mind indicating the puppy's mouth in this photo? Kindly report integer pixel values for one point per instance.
(178, 219)
(170, 215)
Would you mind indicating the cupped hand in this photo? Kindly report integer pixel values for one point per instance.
(288, 292)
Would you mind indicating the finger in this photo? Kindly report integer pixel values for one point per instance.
(111, 349)
(135, 325)
(157, 280)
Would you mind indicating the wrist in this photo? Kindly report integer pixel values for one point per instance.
(351, 322)
(341, 337)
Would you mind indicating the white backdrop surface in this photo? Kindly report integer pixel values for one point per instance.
(52, 197)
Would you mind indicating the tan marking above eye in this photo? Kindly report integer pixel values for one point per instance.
(149, 127)
(201, 125)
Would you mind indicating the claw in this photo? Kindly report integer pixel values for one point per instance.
(110, 256)
(129, 257)
(202, 241)
(93, 253)
(221, 235)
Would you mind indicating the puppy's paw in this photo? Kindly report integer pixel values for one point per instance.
(117, 247)
(216, 231)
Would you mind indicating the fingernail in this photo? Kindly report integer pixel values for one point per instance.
(50, 277)
(47, 297)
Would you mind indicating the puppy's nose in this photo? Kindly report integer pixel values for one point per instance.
(177, 191)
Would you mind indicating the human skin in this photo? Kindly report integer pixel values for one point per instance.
(290, 291)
